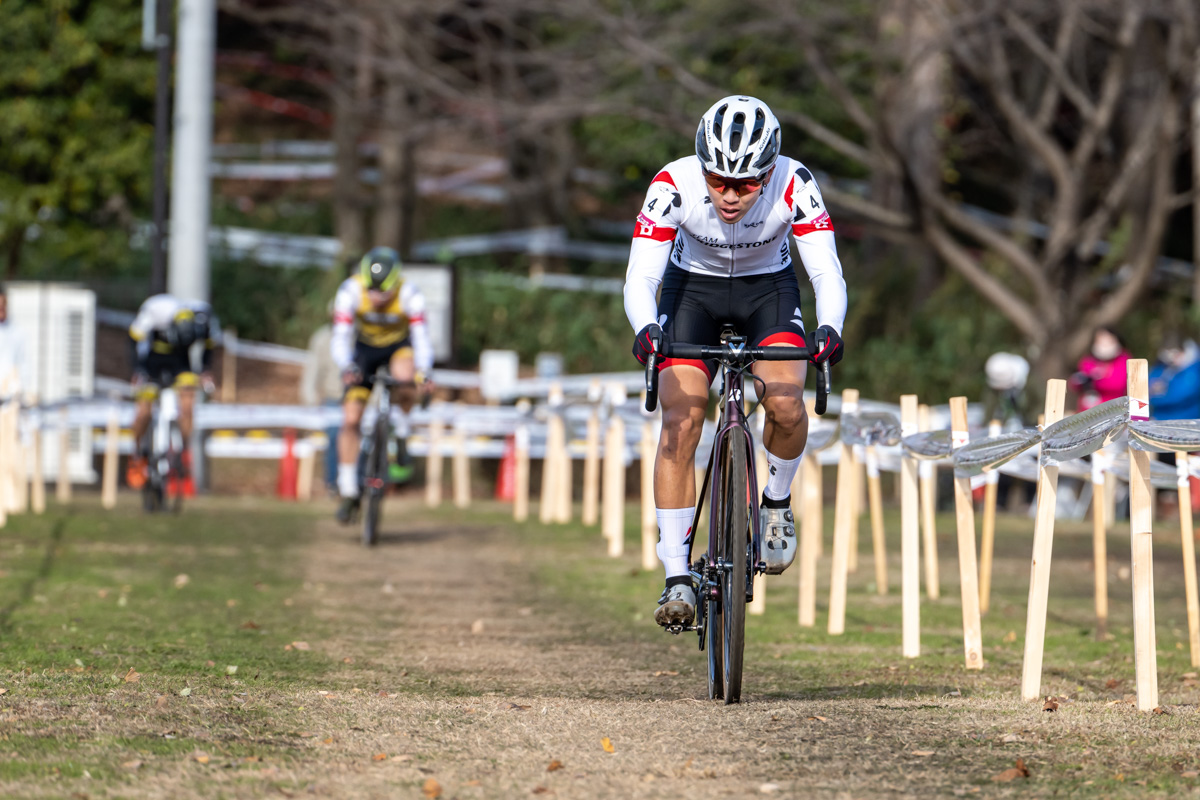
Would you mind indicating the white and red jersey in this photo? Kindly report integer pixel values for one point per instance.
(678, 224)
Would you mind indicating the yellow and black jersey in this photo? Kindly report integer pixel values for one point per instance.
(355, 319)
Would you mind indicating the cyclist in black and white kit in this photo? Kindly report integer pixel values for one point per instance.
(713, 233)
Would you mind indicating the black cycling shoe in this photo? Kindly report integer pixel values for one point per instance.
(347, 511)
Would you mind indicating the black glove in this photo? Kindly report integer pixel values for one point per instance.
(642, 343)
(834, 348)
(352, 375)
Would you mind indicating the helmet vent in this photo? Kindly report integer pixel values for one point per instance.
(736, 130)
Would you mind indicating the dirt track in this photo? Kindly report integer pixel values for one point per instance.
(513, 686)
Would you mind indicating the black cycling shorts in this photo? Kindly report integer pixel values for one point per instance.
(369, 359)
(763, 308)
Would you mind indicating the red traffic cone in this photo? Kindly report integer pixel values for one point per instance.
(189, 486)
(288, 468)
(506, 478)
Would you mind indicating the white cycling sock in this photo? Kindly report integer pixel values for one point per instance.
(780, 472)
(674, 539)
(347, 480)
(400, 428)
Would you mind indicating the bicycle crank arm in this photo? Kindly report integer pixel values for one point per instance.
(678, 628)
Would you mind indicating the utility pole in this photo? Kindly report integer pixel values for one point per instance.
(190, 179)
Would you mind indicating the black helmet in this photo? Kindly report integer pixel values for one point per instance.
(380, 269)
(182, 331)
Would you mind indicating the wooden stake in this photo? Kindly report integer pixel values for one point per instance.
(1043, 540)
(39, 480)
(564, 506)
(62, 491)
(521, 491)
(806, 508)
(1145, 657)
(613, 499)
(649, 518)
(229, 366)
(433, 465)
(910, 536)
(10, 455)
(758, 605)
(843, 519)
(591, 469)
(460, 470)
(988, 544)
(927, 473)
(875, 500)
(1100, 479)
(551, 460)
(968, 567)
(856, 497)
(304, 475)
(108, 486)
(1189, 555)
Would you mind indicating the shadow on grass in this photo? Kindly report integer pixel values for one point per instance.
(44, 569)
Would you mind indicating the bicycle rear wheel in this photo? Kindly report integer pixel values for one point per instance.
(733, 544)
(375, 480)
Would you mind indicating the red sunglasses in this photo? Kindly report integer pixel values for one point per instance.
(741, 186)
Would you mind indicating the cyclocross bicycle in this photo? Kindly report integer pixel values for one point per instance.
(165, 472)
(373, 457)
(724, 575)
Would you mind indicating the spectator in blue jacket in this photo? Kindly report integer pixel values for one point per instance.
(1175, 380)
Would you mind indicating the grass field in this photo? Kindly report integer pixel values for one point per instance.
(250, 648)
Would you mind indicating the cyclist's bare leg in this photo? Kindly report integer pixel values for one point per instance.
(141, 422)
(403, 369)
(785, 433)
(683, 395)
(786, 429)
(186, 396)
(349, 438)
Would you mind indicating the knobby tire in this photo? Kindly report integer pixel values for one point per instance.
(733, 544)
(373, 488)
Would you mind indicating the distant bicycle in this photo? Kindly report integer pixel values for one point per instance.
(723, 576)
(165, 470)
(373, 460)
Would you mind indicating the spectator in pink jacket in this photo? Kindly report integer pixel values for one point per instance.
(1101, 373)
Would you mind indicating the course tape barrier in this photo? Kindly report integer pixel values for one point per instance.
(1084, 433)
(870, 428)
(985, 455)
(1176, 435)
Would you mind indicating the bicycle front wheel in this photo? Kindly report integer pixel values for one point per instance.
(733, 542)
(374, 482)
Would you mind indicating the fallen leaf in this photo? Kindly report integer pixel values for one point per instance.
(210, 663)
(231, 670)
(131, 676)
(3, 691)
(161, 701)
(542, 790)
(954, 693)
(347, 660)
(819, 718)
(1160, 711)
(1051, 704)
(1010, 738)
(301, 645)
(432, 788)
(379, 757)
(1191, 773)
(1111, 683)
(477, 626)
(554, 765)
(1012, 773)
(666, 673)
(607, 744)
(181, 580)
(475, 782)
(185, 691)
(1010, 637)
(250, 625)
(203, 758)
(923, 752)
(328, 740)
(769, 788)
(514, 706)
(231, 603)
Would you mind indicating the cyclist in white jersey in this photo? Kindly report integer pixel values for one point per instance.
(713, 235)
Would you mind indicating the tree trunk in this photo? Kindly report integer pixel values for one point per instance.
(14, 243)
(349, 206)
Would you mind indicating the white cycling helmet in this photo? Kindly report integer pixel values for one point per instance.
(738, 138)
